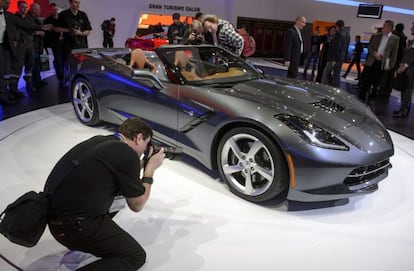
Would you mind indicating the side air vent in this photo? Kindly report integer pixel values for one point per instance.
(328, 106)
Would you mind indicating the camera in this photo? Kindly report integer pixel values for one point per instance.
(172, 153)
(198, 37)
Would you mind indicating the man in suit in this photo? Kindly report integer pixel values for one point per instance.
(406, 66)
(293, 46)
(382, 55)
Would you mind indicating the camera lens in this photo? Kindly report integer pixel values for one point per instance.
(172, 153)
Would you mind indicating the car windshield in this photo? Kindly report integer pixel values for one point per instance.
(200, 65)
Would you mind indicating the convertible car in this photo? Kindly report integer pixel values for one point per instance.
(266, 136)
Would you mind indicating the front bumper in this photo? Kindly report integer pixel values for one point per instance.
(360, 181)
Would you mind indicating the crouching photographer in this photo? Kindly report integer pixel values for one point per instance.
(82, 188)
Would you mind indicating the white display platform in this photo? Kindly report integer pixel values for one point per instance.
(192, 222)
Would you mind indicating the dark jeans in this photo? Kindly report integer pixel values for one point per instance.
(331, 74)
(385, 83)
(24, 58)
(407, 95)
(314, 56)
(58, 60)
(321, 69)
(4, 69)
(103, 238)
(369, 81)
(108, 41)
(36, 78)
(357, 61)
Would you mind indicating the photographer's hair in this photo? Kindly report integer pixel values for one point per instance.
(134, 126)
(196, 25)
(210, 18)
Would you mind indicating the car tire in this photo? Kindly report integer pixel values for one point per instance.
(252, 166)
(84, 102)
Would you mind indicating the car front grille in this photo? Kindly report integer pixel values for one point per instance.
(367, 175)
(328, 106)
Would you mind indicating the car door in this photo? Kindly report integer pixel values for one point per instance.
(126, 97)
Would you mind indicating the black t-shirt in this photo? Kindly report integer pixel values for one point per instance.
(70, 21)
(51, 37)
(93, 172)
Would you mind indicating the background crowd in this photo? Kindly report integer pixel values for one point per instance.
(24, 38)
(389, 60)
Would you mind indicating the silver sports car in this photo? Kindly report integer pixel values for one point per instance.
(265, 135)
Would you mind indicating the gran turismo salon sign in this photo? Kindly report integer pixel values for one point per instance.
(174, 7)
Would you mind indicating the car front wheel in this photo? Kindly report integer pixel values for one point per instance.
(252, 165)
(84, 102)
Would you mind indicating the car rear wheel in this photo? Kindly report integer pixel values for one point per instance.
(84, 102)
(252, 165)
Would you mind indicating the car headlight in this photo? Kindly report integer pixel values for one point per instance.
(312, 133)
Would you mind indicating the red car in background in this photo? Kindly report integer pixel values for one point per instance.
(147, 42)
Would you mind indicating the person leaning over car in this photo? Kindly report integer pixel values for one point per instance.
(224, 34)
(91, 175)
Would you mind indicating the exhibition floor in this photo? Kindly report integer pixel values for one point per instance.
(192, 222)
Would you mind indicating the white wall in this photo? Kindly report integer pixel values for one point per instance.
(127, 13)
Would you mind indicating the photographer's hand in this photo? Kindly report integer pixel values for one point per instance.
(154, 161)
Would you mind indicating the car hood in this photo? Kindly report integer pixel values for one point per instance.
(332, 109)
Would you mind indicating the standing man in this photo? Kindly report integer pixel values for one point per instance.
(407, 66)
(89, 181)
(326, 41)
(314, 55)
(223, 34)
(75, 26)
(382, 55)
(38, 46)
(24, 51)
(108, 29)
(11, 53)
(356, 58)
(176, 30)
(293, 47)
(53, 40)
(336, 56)
(386, 81)
(402, 46)
(7, 47)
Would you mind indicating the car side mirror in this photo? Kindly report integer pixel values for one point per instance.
(147, 78)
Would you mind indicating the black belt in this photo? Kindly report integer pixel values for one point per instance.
(66, 220)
